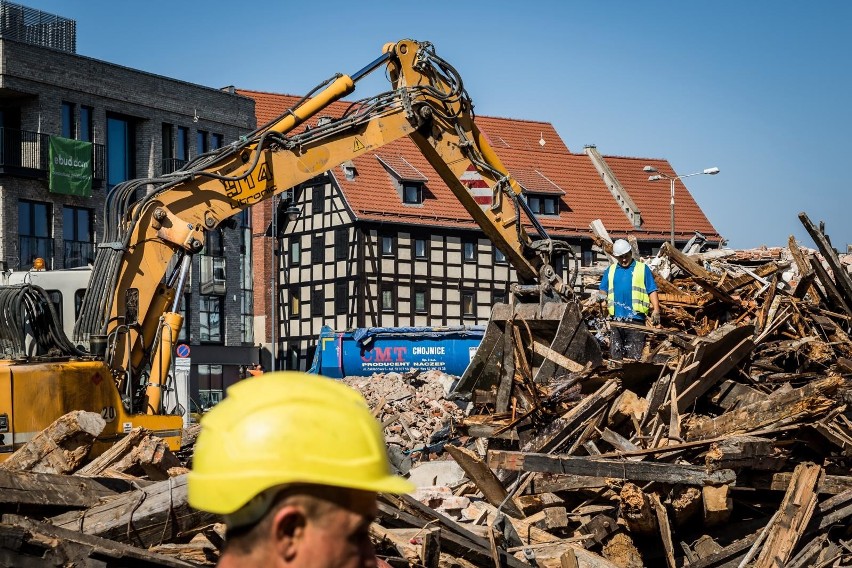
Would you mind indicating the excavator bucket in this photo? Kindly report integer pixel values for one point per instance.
(539, 341)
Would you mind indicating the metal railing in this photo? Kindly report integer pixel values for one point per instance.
(78, 253)
(35, 27)
(172, 165)
(25, 152)
(30, 248)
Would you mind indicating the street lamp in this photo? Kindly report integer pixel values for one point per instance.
(660, 175)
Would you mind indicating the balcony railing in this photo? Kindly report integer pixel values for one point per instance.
(172, 165)
(78, 253)
(27, 154)
(30, 248)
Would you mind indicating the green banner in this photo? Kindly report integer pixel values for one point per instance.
(70, 166)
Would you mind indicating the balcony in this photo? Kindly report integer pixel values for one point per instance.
(24, 153)
(172, 164)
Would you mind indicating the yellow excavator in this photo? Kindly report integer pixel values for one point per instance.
(130, 318)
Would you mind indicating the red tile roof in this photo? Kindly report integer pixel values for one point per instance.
(542, 168)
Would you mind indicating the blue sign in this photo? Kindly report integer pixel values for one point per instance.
(182, 350)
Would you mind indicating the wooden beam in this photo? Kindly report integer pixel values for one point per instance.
(841, 277)
(484, 479)
(601, 467)
(149, 516)
(795, 512)
(59, 448)
(19, 489)
(26, 543)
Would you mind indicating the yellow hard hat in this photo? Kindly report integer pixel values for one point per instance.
(283, 428)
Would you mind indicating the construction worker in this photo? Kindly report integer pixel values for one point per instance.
(629, 293)
(293, 462)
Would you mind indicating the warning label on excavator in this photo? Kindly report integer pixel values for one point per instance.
(477, 186)
(357, 145)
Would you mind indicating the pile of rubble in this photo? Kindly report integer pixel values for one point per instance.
(728, 444)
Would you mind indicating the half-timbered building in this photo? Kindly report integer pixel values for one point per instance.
(382, 241)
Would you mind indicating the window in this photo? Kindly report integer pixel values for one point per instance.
(68, 126)
(421, 300)
(210, 319)
(341, 297)
(293, 357)
(341, 244)
(317, 303)
(388, 303)
(588, 257)
(121, 151)
(558, 264)
(318, 199)
(201, 142)
(412, 193)
(549, 206)
(184, 311)
(295, 252)
(420, 248)
(214, 243)
(468, 303)
(498, 298)
(246, 278)
(318, 249)
(541, 205)
(216, 141)
(212, 275)
(211, 385)
(78, 248)
(387, 245)
(182, 150)
(469, 251)
(34, 240)
(86, 132)
(499, 257)
(295, 303)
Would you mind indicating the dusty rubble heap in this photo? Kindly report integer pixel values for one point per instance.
(728, 444)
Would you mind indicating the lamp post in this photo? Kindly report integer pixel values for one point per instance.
(660, 175)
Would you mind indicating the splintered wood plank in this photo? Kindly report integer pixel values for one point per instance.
(665, 529)
(484, 479)
(795, 512)
(155, 513)
(780, 408)
(602, 467)
(18, 489)
(841, 277)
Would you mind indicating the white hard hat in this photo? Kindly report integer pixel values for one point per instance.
(620, 247)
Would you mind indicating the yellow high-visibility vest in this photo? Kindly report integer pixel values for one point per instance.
(641, 300)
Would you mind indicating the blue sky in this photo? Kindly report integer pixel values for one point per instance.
(761, 89)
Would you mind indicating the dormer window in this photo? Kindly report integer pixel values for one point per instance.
(543, 204)
(349, 170)
(412, 192)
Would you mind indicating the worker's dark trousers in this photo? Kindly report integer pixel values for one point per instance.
(626, 343)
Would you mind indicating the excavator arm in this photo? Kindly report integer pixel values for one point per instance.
(131, 307)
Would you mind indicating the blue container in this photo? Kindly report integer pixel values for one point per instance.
(368, 350)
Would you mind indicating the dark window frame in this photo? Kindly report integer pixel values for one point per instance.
(469, 251)
(208, 306)
(387, 245)
(43, 243)
(425, 253)
(318, 249)
(425, 292)
(412, 193)
(68, 127)
(80, 247)
(318, 199)
(341, 297)
(341, 243)
(468, 294)
(388, 293)
(317, 302)
(499, 257)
